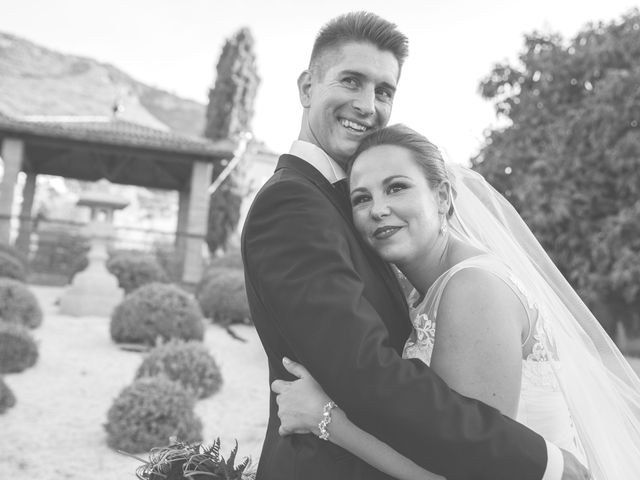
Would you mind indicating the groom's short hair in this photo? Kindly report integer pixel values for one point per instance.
(365, 27)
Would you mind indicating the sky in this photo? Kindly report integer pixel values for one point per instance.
(175, 44)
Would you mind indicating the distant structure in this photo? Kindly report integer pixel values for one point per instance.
(91, 148)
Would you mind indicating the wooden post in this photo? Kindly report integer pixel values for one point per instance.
(181, 227)
(12, 156)
(197, 218)
(23, 242)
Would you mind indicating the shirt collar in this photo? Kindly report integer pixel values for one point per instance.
(318, 158)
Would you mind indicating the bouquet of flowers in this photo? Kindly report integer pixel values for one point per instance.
(182, 461)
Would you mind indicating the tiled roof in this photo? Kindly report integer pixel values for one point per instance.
(115, 132)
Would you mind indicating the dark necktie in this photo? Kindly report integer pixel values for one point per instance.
(342, 186)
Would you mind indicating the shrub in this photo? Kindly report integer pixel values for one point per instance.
(18, 349)
(150, 411)
(188, 363)
(170, 261)
(11, 267)
(223, 298)
(60, 251)
(154, 311)
(134, 270)
(231, 259)
(7, 398)
(18, 304)
(182, 460)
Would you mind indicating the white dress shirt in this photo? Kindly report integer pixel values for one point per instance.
(333, 172)
(317, 157)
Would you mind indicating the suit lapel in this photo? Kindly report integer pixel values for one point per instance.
(312, 174)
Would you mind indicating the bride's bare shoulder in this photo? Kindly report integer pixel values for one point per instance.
(474, 296)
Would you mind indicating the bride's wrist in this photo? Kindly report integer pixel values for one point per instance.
(331, 412)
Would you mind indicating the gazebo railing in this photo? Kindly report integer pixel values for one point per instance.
(58, 248)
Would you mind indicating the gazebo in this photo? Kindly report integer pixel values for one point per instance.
(91, 148)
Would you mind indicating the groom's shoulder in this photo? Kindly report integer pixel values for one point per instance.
(292, 175)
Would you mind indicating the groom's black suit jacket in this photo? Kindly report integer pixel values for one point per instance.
(319, 296)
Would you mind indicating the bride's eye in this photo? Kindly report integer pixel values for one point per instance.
(358, 199)
(396, 187)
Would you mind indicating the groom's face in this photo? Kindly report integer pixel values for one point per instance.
(347, 93)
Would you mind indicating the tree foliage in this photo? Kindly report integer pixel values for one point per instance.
(229, 116)
(569, 157)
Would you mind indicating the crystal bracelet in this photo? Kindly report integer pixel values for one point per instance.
(326, 420)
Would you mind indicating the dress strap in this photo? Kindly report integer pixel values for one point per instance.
(488, 263)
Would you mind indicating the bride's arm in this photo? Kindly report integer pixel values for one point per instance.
(478, 343)
(300, 410)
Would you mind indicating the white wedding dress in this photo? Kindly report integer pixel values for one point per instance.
(542, 406)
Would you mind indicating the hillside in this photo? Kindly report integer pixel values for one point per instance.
(35, 80)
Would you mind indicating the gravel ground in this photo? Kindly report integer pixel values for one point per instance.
(55, 431)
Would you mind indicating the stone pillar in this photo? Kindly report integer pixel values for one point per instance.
(23, 241)
(197, 217)
(12, 155)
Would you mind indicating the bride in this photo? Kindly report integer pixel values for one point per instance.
(491, 314)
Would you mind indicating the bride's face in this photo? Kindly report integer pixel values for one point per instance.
(394, 208)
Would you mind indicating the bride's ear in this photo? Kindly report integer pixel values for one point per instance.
(443, 193)
(304, 88)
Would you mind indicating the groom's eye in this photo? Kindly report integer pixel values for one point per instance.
(385, 94)
(350, 81)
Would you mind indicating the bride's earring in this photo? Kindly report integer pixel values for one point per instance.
(443, 225)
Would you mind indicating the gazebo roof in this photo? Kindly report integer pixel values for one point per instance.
(113, 131)
(93, 147)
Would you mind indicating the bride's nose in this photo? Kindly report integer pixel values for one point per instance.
(380, 209)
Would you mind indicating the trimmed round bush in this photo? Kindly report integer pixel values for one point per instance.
(188, 363)
(61, 251)
(11, 267)
(134, 270)
(222, 297)
(7, 398)
(150, 411)
(18, 304)
(157, 311)
(18, 349)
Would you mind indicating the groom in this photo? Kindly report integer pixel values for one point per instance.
(319, 296)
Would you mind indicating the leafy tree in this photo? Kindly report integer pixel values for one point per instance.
(229, 115)
(569, 157)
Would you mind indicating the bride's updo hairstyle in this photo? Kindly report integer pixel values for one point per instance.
(425, 153)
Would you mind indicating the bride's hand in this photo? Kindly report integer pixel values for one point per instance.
(300, 403)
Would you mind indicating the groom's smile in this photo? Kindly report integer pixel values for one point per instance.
(355, 126)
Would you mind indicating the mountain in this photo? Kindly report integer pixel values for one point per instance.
(35, 80)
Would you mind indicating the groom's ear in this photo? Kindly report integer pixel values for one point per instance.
(304, 88)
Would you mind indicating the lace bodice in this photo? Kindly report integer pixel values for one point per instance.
(541, 404)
